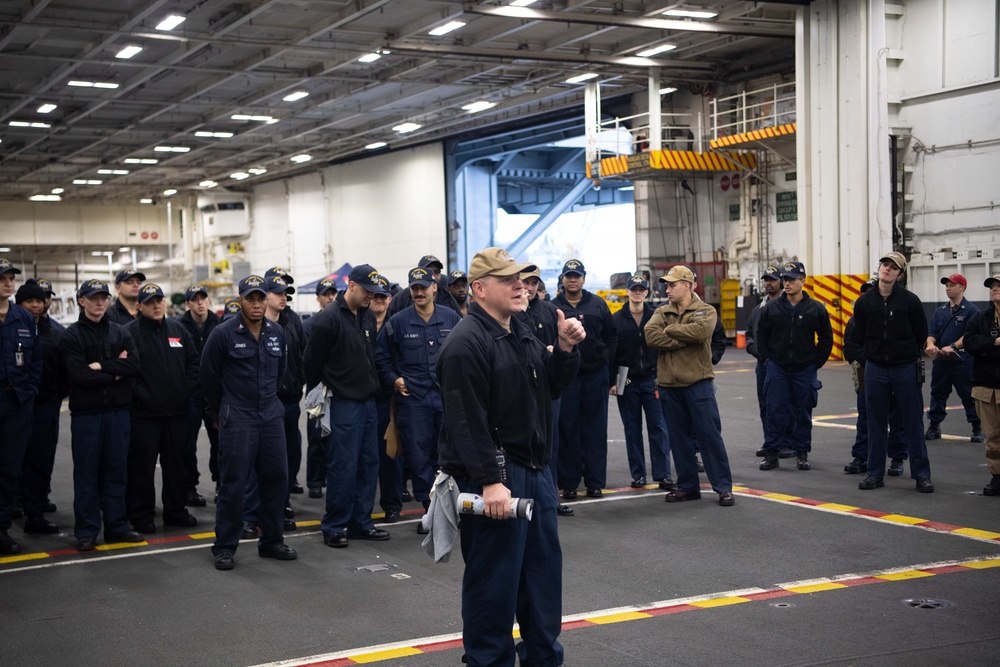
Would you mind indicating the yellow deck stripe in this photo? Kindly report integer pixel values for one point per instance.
(379, 656)
(901, 518)
(975, 532)
(902, 576)
(816, 588)
(719, 602)
(618, 618)
(838, 507)
(983, 564)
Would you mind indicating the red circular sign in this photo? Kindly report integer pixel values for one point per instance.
(724, 182)
(154, 236)
(145, 235)
(736, 186)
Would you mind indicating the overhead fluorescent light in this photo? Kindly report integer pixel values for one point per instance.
(170, 192)
(146, 201)
(627, 188)
(667, 90)
(170, 22)
(128, 52)
(482, 105)
(207, 184)
(124, 249)
(261, 119)
(691, 13)
(97, 253)
(522, 3)
(376, 144)
(369, 57)
(403, 128)
(257, 171)
(24, 123)
(171, 149)
(4, 249)
(140, 160)
(45, 198)
(46, 108)
(86, 181)
(57, 191)
(214, 135)
(298, 159)
(649, 53)
(446, 28)
(239, 176)
(581, 78)
(93, 84)
(296, 96)
(115, 172)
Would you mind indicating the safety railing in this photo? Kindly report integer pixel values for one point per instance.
(678, 131)
(753, 110)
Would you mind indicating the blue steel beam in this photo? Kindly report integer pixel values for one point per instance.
(538, 227)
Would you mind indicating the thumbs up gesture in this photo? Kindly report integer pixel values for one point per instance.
(571, 331)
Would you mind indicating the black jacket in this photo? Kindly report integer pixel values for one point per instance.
(118, 313)
(602, 334)
(93, 392)
(852, 350)
(341, 352)
(794, 338)
(892, 331)
(631, 350)
(497, 388)
(200, 334)
(295, 344)
(169, 367)
(55, 382)
(719, 342)
(541, 317)
(980, 340)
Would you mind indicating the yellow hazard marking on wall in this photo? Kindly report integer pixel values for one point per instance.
(754, 135)
(673, 161)
(837, 292)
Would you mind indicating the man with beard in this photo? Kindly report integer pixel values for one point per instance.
(458, 286)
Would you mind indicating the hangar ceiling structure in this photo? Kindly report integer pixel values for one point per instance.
(240, 93)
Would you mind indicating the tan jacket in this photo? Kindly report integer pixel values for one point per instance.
(684, 341)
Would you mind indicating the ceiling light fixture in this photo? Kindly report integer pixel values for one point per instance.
(97, 253)
(260, 119)
(296, 96)
(4, 249)
(57, 191)
(92, 84)
(649, 53)
(170, 22)
(299, 159)
(140, 160)
(207, 184)
(522, 3)
(115, 172)
(146, 201)
(377, 144)
(257, 171)
(124, 249)
(691, 13)
(475, 107)
(369, 57)
(171, 149)
(24, 123)
(86, 181)
(128, 52)
(169, 193)
(403, 128)
(214, 135)
(667, 91)
(47, 108)
(581, 78)
(239, 176)
(45, 198)
(446, 28)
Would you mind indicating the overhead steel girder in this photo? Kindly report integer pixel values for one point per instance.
(628, 21)
(538, 227)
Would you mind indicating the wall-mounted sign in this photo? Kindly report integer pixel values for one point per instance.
(735, 181)
(734, 211)
(724, 182)
(786, 206)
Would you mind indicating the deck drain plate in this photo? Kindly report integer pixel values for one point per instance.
(782, 605)
(928, 603)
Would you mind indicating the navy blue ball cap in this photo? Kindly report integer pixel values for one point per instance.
(367, 276)
(638, 280)
(574, 266)
(150, 291)
(793, 270)
(194, 291)
(7, 267)
(280, 273)
(92, 287)
(420, 276)
(252, 284)
(429, 261)
(125, 274)
(326, 285)
(457, 276)
(772, 273)
(278, 285)
(46, 285)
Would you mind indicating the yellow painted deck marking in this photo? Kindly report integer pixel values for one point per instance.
(379, 656)
(816, 588)
(618, 618)
(902, 576)
(719, 602)
(902, 518)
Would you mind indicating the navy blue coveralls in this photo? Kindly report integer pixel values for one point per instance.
(20, 376)
(497, 388)
(794, 342)
(240, 376)
(640, 396)
(954, 370)
(583, 417)
(408, 347)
